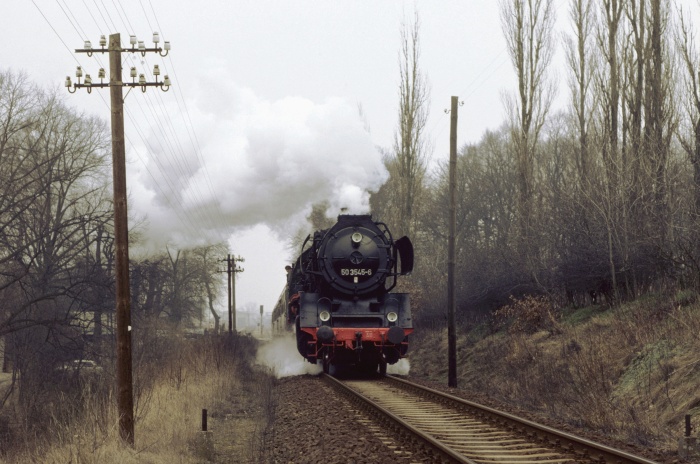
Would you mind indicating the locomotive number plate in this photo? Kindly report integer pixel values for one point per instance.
(355, 272)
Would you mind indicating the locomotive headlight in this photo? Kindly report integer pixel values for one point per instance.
(324, 316)
(356, 238)
(392, 316)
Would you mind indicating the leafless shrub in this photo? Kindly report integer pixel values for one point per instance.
(591, 367)
(528, 315)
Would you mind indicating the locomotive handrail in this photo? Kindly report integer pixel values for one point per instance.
(301, 264)
(386, 231)
(392, 270)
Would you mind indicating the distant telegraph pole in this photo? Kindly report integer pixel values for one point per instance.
(231, 270)
(125, 396)
(451, 304)
(261, 320)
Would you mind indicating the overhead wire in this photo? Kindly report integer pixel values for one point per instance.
(83, 35)
(482, 77)
(122, 18)
(164, 143)
(104, 8)
(195, 148)
(175, 148)
(189, 124)
(190, 127)
(145, 15)
(185, 221)
(76, 26)
(181, 164)
(99, 28)
(56, 32)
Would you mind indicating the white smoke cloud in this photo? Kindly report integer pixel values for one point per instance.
(259, 162)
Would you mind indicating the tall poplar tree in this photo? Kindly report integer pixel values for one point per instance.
(410, 145)
(528, 26)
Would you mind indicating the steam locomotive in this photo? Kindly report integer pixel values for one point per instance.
(338, 298)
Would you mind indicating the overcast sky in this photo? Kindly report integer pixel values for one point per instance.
(263, 117)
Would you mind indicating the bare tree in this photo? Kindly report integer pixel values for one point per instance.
(609, 83)
(660, 120)
(528, 26)
(208, 268)
(184, 283)
(53, 201)
(580, 58)
(686, 43)
(649, 122)
(410, 146)
(58, 159)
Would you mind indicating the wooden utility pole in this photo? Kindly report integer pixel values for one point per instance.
(125, 395)
(231, 269)
(451, 304)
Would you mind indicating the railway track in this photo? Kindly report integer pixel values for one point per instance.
(461, 431)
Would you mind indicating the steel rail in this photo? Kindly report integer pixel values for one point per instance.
(446, 453)
(564, 440)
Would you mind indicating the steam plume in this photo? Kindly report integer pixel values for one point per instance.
(259, 162)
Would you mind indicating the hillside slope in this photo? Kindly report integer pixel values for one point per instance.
(629, 373)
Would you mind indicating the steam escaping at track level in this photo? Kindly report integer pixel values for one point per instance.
(281, 356)
(402, 367)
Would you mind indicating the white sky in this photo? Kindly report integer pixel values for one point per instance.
(265, 96)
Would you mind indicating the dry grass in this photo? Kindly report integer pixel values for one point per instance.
(630, 372)
(170, 397)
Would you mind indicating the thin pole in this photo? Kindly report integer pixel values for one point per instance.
(231, 297)
(261, 320)
(125, 398)
(451, 305)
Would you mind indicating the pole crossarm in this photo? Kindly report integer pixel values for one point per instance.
(115, 47)
(102, 85)
(143, 51)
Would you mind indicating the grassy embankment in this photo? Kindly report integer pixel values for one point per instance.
(630, 372)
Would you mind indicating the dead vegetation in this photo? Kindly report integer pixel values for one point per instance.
(80, 423)
(630, 372)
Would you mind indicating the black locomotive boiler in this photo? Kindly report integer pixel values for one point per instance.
(338, 297)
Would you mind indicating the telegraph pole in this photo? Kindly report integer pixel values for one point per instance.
(261, 320)
(230, 298)
(125, 396)
(451, 304)
(231, 269)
